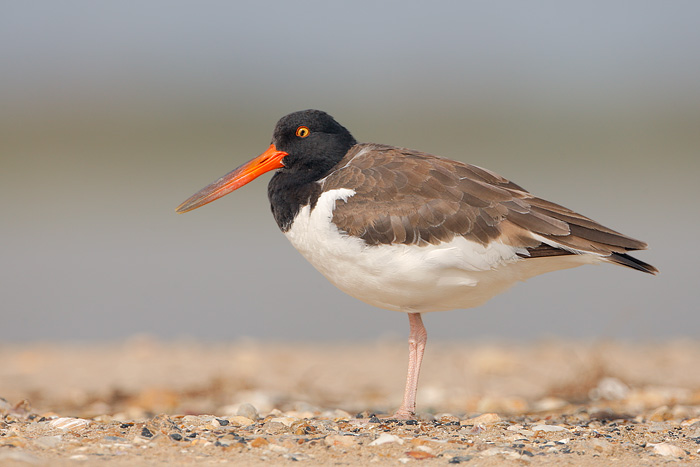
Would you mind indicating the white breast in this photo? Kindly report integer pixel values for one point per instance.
(451, 275)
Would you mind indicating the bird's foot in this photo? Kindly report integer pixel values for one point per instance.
(403, 414)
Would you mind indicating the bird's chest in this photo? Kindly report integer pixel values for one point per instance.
(315, 236)
(397, 277)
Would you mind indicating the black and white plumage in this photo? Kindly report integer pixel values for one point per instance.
(413, 232)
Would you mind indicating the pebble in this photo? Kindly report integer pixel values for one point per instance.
(460, 459)
(508, 453)
(248, 411)
(484, 419)
(275, 428)
(259, 443)
(68, 423)
(340, 440)
(548, 428)
(385, 438)
(601, 445)
(609, 388)
(239, 420)
(337, 414)
(549, 404)
(277, 448)
(667, 449)
(419, 454)
(286, 421)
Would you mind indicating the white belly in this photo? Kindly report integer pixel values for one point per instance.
(451, 275)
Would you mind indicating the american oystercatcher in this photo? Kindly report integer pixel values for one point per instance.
(408, 231)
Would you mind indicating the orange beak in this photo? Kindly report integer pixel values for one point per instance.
(269, 160)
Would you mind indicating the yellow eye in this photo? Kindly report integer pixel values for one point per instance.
(303, 132)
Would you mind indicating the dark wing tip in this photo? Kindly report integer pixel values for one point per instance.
(632, 262)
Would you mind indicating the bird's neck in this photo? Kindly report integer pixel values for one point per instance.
(291, 189)
(288, 195)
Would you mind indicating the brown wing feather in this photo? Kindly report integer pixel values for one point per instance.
(408, 197)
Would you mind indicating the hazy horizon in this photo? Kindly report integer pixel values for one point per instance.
(112, 114)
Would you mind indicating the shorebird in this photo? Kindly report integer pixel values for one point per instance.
(409, 231)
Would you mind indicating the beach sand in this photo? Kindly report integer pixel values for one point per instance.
(144, 401)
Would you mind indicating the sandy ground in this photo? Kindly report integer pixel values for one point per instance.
(144, 401)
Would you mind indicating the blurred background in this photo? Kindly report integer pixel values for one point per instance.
(112, 113)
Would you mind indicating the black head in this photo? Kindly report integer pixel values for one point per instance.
(313, 141)
(305, 147)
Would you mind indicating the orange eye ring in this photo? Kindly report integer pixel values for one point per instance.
(303, 132)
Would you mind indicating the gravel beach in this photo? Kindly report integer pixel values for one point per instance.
(145, 401)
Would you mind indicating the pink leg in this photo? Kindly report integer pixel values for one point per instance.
(416, 346)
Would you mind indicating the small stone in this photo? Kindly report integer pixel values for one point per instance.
(68, 423)
(162, 424)
(447, 418)
(548, 428)
(176, 436)
(477, 429)
(661, 414)
(609, 388)
(667, 449)
(275, 428)
(239, 420)
(342, 441)
(197, 420)
(601, 445)
(259, 442)
(549, 404)
(248, 411)
(507, 452)
(277, 448)
(337, 414)
(222, 421)
(146, 433)
(286, 421)
(419, 455)
(484, 419)
(22, 407)
(460, 459)
(386, 438)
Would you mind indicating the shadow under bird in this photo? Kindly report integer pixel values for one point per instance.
(409, 231)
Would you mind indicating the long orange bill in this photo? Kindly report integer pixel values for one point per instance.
(269, 160)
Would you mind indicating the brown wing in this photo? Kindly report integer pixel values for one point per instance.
(408, 197)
